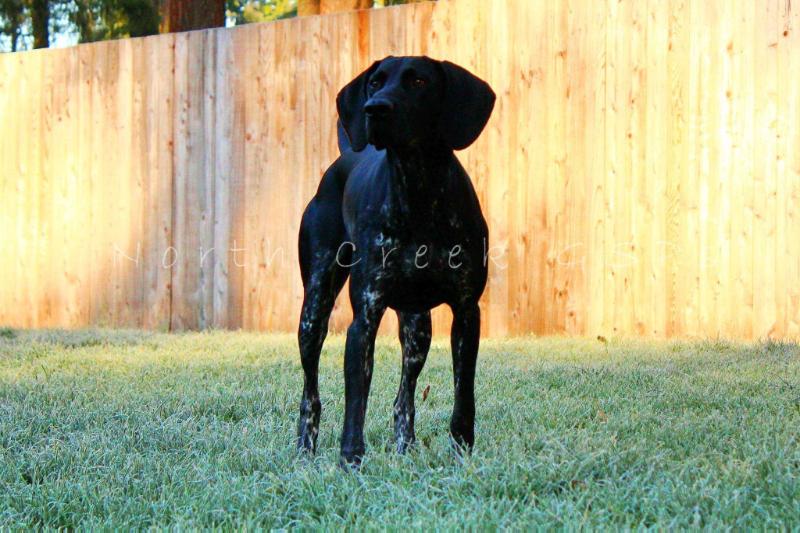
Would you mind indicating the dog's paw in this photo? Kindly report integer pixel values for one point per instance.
(462, 439)
(306, 446)
(350, 458)
(307, 433)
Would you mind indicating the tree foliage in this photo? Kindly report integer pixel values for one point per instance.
(12, 17)
(26, 23)
(34, 22)
(98, 20)
(246, 11)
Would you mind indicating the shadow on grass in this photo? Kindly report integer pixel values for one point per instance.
(77, 338)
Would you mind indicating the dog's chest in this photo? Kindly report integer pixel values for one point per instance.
(432, 264)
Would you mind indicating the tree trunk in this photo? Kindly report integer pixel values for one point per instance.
(14, 12)
(84, 20)
(185, 15)
(40, 20)
(315, 7)
(334, 6)
(307, 7)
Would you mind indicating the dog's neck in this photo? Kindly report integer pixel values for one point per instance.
(416, 185)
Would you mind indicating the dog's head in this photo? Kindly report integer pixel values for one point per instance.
(406, 102)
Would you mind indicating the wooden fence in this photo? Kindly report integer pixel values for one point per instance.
(640, 174)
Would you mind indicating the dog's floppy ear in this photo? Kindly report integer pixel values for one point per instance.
(466, 106)
(350, 105)
(341, 138)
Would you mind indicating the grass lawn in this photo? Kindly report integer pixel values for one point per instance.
(133, 429)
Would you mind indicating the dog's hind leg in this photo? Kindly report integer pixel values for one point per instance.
(324, 256)
(415, 339)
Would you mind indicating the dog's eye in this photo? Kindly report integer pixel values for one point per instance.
(374, 84)
(419, 82)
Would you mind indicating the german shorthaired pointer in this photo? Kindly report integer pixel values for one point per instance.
(401, 218)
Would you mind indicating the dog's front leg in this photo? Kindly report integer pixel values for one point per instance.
(415, 339)
(358, 359)
(464, 340)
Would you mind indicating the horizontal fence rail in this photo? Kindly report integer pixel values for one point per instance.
(640, 174)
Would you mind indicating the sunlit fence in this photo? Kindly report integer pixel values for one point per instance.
(640, 175)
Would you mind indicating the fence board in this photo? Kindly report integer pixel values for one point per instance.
(789, 89)
(640, 174)
(158, 179)
(6, 190)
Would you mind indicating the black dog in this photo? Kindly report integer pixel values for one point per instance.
(402, 219)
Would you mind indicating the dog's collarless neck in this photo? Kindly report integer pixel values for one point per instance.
(417, 181)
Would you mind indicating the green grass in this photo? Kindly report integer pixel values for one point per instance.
(132, 429)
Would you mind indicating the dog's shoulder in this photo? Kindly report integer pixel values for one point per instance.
(334, 179)
(362, 169)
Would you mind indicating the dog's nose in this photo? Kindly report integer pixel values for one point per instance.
(378, 107)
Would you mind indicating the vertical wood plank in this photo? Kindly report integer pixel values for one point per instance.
(139, 179)
(680, 32)
(8, 215)
(596, 168)
(75, 267)
(619, 240)
(103, 186)
(764, 162)
(789, 88)
(723, 169)
(82, 242)
(49, 256)
(255, 139)
(126, 201)
(639, 271)
(741, 190)
(705, 132)
(656, 161)
(556, 286)
(158, 145)
(527, 152)
(193, 184)
(237, 66)
(224, 103)
(32, 296)
(579, 70)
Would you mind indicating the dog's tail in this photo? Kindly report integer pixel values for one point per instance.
(344, 142)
